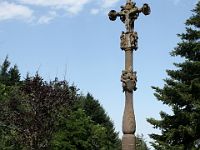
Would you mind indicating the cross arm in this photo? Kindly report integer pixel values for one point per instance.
(113, 15)
(146, 10)
(132, 11)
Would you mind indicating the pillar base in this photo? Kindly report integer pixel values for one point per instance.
(128, 142)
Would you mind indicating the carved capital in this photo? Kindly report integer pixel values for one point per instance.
(128, 79)
(129, 40)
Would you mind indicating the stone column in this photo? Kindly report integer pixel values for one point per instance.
(129, 39)
(128, 78)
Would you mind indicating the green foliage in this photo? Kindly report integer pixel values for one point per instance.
(79, 132)
(9, 76)
(180, 130)
(6, 131)
(97, 114)
(140, 143)
(36, 115)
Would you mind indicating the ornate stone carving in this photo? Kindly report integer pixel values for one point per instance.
(129, 41)
(129, 13)
(128, 79)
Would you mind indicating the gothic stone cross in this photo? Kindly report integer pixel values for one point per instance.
(128, 14)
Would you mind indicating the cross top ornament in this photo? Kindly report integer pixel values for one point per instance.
(129, 13)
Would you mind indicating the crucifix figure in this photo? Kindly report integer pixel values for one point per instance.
(129, 39)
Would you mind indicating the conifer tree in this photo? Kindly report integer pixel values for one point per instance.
(9, 75)
(96, 112)
(181, 92)
(141, 143)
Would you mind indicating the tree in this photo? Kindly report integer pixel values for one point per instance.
(87, 127)
(43, 103)
(9, 79)
(36, 115)
(141, 143)
(29, 109)
(79, 132)
(181, 92)
(8, 134)
(97, 114)
(9, 75)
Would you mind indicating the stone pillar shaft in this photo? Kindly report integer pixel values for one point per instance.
(129, 59)
(128, 125)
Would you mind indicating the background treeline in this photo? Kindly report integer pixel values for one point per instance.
(37, 115)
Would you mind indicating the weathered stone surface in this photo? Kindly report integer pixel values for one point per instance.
(128, 79)
(129, 42)
(128, 142)
(129, 13)
(128, 124)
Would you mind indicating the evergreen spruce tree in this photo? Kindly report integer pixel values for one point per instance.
(96, 112)
(9, 75)
(141, 143)
(181, 92)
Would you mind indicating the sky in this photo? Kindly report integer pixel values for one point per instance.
(75, 40)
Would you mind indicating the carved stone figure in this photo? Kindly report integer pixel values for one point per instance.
(134, 40)
(129, 13)
(128, 79)
(123, 43)
(129, 40)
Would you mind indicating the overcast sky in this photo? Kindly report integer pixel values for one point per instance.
(74, 40)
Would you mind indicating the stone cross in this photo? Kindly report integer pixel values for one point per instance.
(129, 39)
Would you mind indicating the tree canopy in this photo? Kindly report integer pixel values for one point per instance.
(36, 115)
(181, 92)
